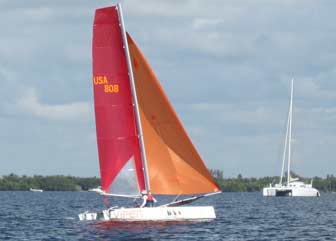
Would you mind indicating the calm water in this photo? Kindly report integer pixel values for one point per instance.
(241, 216)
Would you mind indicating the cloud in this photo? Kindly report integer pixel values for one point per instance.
(248, 113)
(30, 104)
(203, 23)
(311, 88)
(226, 66)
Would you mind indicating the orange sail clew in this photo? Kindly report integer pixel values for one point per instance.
(174, 166)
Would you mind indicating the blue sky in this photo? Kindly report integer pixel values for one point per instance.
(225, 65)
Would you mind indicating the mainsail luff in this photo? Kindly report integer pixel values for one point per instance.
(134, 98)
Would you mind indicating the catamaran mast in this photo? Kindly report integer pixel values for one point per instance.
(135, 99)
(290, 132)
(284, 151)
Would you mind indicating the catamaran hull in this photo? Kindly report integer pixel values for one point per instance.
(290, 192)
(152, 214)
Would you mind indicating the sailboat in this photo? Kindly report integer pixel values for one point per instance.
(35, 190)
(293, 187)
(142, 145)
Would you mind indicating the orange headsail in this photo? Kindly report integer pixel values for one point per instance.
(174, 165)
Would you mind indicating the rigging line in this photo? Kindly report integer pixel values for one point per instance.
(188, 200)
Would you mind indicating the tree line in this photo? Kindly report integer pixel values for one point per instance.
(14, 182)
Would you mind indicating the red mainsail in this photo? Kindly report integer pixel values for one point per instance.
(117, 135)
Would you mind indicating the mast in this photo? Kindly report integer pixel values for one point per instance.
(284, 152)
(135, 99)
(290, 132)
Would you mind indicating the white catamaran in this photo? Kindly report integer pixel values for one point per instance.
(293, 187)
(142, 144)
(35, 190)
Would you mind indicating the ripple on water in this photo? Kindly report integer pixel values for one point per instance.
(240, 216)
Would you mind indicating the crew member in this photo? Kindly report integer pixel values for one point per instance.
(148, 199)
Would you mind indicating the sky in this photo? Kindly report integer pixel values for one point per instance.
(226, 67)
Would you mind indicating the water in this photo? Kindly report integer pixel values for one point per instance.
(240, 216)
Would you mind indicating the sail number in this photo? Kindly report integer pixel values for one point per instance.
(102, 80)
(111, 88)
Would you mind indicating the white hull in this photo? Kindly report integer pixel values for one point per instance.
(152, 214)
(35, 190)
(297, 189)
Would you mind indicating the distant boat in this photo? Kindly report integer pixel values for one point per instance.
(35, 190)
(142, 145)
(293, 187)
(97, 189)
